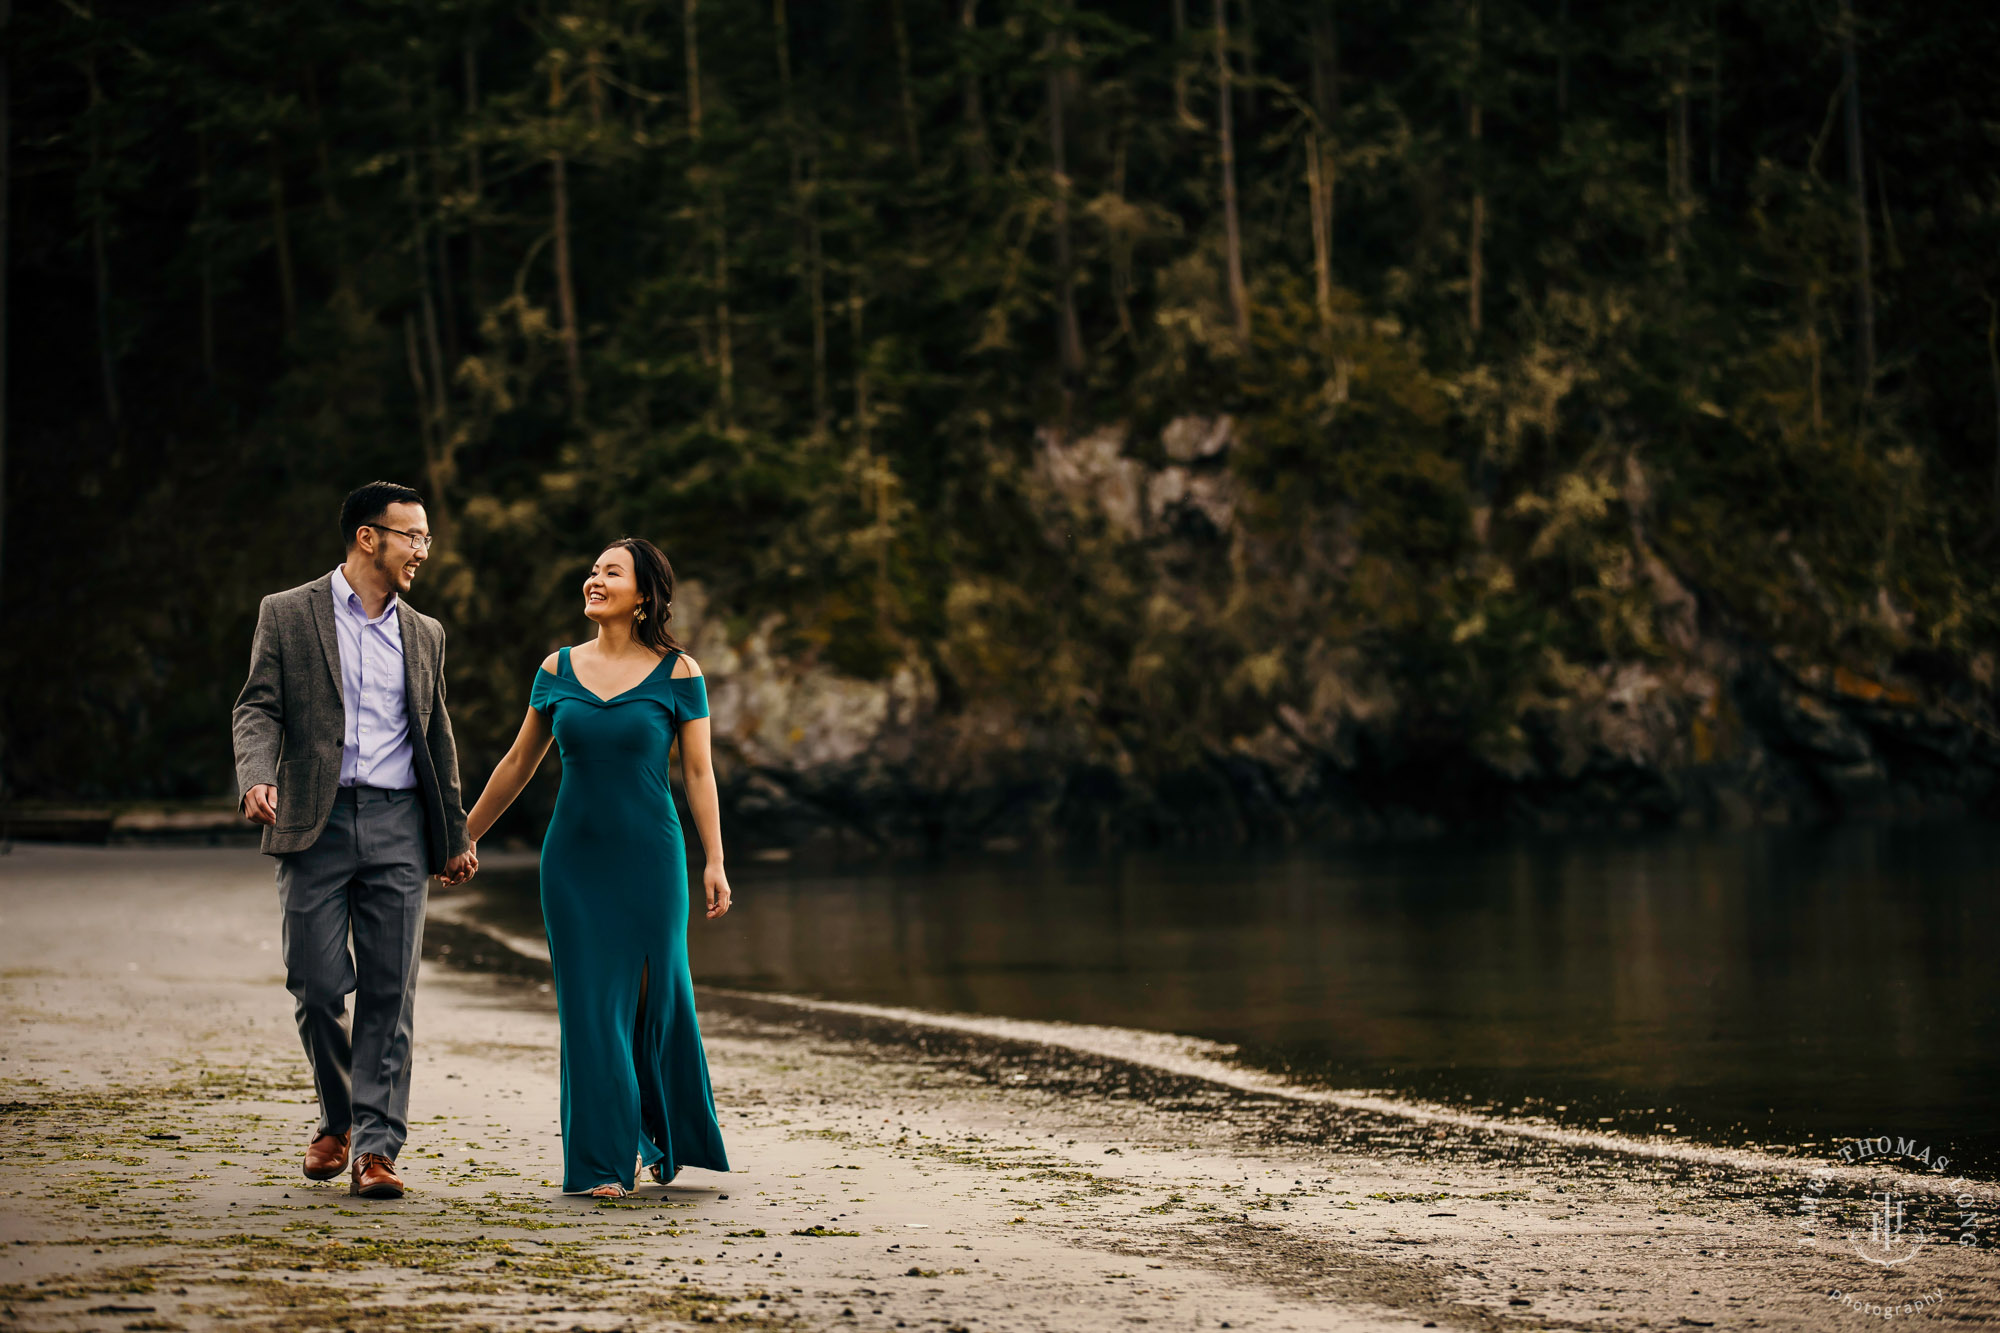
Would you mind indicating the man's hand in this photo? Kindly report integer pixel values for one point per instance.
(260, 804)
(462, 867)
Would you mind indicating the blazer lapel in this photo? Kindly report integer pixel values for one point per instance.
(329, 641)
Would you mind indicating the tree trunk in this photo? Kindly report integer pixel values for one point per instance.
(432, 387)
(1993, 369)
(593, 84)
(440, 404)
(1239, 295)
(781, 33)
(440, 380)
(1183, 112)
(572, 337)
(816, 275)
(431, 430)
(1813, 356)
(475, 179)
(712, 221)
(1680, 170)
(1475, 249)
(807, 217)
(1892, 254)
(6, 181)
(863, 435)
(1715, 94)
(281, 234)
(873, 471)
(281, 240)
(1684, 134)
(100, 262)
(204, 221)
(447, 313)
(1069, 332)
(690, 33)
(1319, 190)
(1864, 288)
(329, 198)
(1247, 38)
(975, 112)
(1475, 241)
(1325, 57)
(1562, 58)
(420, 390)
(1121, 246)
(565, 285)
(906, 93)
(1320, 147)
(725, 360)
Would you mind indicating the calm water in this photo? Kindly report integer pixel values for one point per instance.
(1775, 988)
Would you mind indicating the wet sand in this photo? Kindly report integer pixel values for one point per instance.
(890, 1172)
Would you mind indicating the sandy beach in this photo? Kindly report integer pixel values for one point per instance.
(890, 1171)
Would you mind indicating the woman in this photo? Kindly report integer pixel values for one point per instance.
(614, 877)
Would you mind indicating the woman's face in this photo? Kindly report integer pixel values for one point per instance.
(611, 592)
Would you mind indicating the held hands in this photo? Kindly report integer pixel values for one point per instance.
(260, 804)
(717, 883)
(461, 867)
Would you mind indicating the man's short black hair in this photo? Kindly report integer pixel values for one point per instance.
(367, 504)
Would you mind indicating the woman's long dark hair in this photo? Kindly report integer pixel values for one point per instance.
(655, 578)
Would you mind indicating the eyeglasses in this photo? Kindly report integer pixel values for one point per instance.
(421, 540)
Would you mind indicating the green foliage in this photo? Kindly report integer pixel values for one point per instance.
(787, 300)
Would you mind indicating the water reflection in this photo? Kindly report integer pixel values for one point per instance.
(1780, 988)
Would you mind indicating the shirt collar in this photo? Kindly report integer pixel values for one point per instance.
(344, 595)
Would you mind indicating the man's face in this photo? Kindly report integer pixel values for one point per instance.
(396, 556)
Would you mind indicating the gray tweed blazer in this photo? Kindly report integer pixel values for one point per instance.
(290, 719)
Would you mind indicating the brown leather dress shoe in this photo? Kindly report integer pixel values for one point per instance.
(327, 1157)
(375, 1177)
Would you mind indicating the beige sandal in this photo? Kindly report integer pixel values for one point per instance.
(608, 1192)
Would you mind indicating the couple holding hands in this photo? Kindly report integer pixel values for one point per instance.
(344, 753)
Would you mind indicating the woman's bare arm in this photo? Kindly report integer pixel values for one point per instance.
(510, 776)
(698, 772)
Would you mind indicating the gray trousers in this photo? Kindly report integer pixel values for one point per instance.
(366, 875)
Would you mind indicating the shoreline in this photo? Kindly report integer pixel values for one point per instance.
(940, 1175)
(214, 822)
(510, 954)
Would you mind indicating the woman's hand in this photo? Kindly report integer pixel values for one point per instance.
(716, 882)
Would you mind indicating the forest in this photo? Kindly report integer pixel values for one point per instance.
(1152, 382)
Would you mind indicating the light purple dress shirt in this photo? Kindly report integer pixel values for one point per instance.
(375, 748)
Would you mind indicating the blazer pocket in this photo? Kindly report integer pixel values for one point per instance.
(295, 796)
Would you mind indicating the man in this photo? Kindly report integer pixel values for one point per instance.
(345, 755)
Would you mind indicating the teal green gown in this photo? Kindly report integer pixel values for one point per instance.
(615, 904)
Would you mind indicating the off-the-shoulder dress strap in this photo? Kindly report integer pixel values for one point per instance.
(562, 663)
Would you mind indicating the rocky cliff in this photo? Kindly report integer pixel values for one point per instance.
(1710, 727)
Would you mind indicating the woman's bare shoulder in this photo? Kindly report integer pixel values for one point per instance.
(685, 667)
(549, 663)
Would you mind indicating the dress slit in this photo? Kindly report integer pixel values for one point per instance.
(645, 1058)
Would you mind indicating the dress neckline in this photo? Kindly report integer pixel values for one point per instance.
(665, 658)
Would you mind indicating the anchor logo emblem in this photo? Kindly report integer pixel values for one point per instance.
(1886, 1242)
